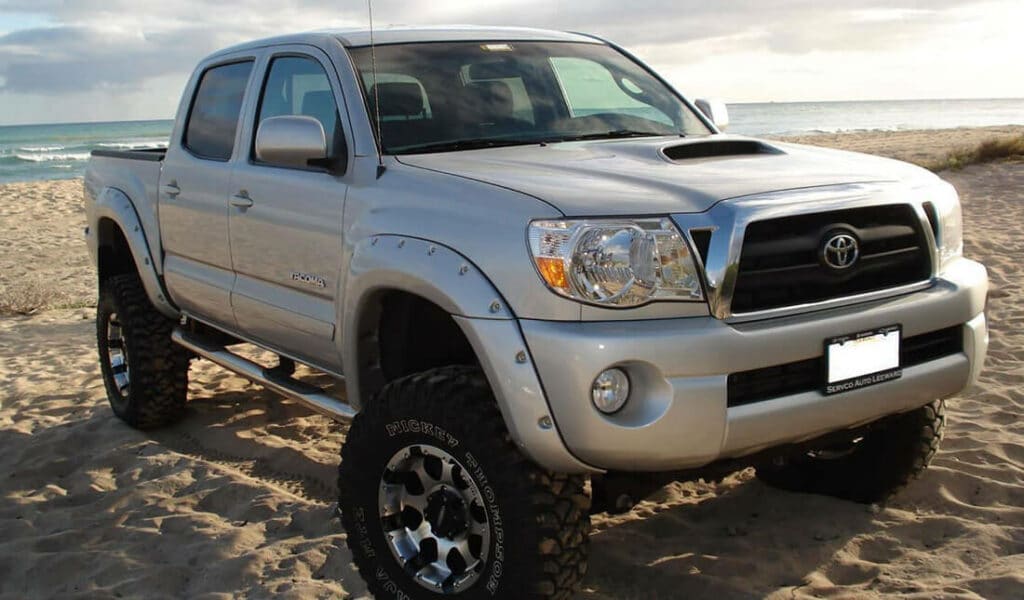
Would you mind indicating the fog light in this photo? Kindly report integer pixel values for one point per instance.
(610, 391)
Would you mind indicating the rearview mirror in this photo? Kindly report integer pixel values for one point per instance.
(716, 111)
(291, 141)
(498, 69)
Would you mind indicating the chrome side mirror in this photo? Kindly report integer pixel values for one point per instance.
(291, 141)
(716, 111)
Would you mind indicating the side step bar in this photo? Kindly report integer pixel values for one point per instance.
(311, 396)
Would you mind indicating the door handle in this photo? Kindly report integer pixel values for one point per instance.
(171, 189)
(241, 200)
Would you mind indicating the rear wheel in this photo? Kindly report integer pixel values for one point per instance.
(438, 501)
(145, 373)
(888, 457)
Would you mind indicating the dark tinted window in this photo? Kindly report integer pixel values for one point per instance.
(210, 132)
(443, 97)
(298, 85)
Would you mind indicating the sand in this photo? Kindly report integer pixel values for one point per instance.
(42, 262)
(236, 501)
(921, 147)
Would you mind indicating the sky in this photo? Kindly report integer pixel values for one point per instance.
(112, 60)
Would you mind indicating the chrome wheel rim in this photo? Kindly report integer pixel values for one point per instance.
(434, 519)
(117, 354)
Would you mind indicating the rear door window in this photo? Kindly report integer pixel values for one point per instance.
(213, 120)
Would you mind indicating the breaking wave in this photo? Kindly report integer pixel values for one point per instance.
(53, 157)
(133, 144)
(40, 148)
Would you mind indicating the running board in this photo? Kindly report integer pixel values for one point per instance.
(308, 395)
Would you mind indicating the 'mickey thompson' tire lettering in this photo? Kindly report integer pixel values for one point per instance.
(496, 527)
(416, 426)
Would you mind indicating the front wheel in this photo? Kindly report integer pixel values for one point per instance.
(437, 500)
(872, 468)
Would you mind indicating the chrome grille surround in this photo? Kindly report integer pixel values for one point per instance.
(728, 221)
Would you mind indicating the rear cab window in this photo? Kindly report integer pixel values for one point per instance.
(510, 86)
(216, 110)
(591, 89)
(389, 83)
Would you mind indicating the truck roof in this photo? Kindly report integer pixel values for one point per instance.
(401, 34)
(453, 33)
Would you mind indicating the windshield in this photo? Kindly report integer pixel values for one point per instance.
(438, 97)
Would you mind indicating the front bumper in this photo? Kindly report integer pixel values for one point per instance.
(678, 414)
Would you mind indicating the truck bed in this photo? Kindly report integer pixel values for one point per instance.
(135, 174)
(150, 154)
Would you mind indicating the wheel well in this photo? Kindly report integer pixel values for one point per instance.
(402, 334)
(114, 256)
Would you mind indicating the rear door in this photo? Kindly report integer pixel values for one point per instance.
(194, 186)
(286, 232)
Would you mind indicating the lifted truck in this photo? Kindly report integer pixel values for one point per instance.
(546, 280)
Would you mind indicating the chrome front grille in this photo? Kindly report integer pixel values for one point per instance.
(762, 255)
(783, 261)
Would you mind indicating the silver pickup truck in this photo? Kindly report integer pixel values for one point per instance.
(549, 284)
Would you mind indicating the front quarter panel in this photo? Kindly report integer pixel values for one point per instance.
(484, 223)
(437, 273)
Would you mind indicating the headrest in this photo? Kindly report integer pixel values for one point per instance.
(494, 98)
(398, 99)
(321, 106)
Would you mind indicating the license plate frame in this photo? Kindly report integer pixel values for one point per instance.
(878, 352)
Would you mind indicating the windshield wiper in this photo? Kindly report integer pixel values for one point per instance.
(478, 143)
(464, 144)
(610, 135)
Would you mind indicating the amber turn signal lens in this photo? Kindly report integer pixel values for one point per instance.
(553, 272)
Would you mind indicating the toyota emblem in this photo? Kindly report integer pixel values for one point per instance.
(840, 251)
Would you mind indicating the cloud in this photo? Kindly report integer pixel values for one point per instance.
(99, 43)
(97, 53)
(95, 45)
(61, 59)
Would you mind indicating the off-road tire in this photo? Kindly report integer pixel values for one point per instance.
(892, 454)
(158, 367)
(538, 548)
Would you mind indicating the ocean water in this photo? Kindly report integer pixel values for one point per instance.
(60, 151)
(802, 118)
(35, 152)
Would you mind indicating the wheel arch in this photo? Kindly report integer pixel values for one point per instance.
(121, 246)
(423, 277)
(404, 277)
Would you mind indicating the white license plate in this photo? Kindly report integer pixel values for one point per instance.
(862, 359)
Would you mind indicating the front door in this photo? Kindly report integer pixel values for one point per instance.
(193, 194)
(286, 223)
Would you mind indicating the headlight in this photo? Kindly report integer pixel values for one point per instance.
(951, 223)
(619, 263)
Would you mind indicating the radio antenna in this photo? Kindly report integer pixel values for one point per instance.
(376, 94)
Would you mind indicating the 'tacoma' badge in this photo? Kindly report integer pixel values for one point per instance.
(313, 280)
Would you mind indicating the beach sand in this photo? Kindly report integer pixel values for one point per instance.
(236, 501)
(921, 147)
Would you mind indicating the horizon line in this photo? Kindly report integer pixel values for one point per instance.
(744, 102)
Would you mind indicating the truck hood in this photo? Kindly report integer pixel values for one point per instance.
(661, 175)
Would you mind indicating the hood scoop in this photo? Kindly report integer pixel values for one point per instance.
(716, 148)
